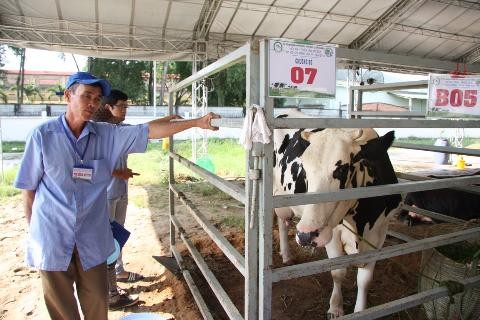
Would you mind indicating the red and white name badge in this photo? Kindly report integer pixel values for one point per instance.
(82, 173)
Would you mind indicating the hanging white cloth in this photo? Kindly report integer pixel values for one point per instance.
(254, 128)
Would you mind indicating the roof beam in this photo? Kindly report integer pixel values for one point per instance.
(472, 56)
(132, 18)
(296, 15)
(396, 62)
(207, 16)
(263, 18)
(383, 24)
(461, 3)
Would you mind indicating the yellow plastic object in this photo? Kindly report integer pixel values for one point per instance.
(460, 163)
(165, 144)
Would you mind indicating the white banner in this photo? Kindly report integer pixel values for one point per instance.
(453, 95)
(301, 69)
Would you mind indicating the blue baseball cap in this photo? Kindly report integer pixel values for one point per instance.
(88, 78)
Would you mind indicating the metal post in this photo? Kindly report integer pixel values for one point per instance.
(154, 89)
(251, 190)
(171, 179)
(351, 102)
(266, 198)
(1, 150)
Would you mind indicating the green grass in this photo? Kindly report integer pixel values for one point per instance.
(233, 221)
(13, 146)
(6, 185)
(140, 201)
(227, 155)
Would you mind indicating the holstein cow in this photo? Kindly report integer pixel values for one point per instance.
(451, 202)
(323, 160)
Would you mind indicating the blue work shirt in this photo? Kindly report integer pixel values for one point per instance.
(70, 212)
(118, 186)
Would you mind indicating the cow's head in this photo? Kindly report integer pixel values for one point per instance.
(337, 159)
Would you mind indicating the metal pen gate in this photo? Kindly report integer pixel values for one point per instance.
(256, 266)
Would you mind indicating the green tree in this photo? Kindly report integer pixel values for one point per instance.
(227, 88)
(2, 63)
(179, 70)
(54, 90)
(20, 52)
(30, 91)
(127, 75)
(3, 94)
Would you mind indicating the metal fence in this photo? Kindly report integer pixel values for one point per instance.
(256, 265)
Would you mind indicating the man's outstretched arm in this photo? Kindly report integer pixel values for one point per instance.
(160, 128)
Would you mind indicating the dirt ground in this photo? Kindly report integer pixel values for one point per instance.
(164, 293)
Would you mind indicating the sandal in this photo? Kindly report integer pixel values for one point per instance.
(122, 300)
(132, 277)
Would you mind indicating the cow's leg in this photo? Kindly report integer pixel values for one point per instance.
(364, 279)
(284, 216)
(335, 249)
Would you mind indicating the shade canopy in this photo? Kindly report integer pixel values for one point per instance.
(394, 35)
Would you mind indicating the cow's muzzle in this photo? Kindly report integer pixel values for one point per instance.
(306, 238)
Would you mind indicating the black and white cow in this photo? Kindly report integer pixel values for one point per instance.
(327, 160)
(451, 202)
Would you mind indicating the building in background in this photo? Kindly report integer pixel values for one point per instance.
(47, 83)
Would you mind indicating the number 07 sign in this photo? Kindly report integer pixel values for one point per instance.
(454, 95)
(301, 69)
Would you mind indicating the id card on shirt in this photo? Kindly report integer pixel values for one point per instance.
(83, 173)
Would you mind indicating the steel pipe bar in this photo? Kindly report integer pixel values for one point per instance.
(400, 236)
(419, 84)
(433, 214)
(310, 268)
(227, 122)
(230, 59)
(213, 282)
(446, 149)
(408, 176)
(393, 114)
(289, 200)
(410, 301)
(229, 188)
(197, 296)
(295, 123)
(230, 252)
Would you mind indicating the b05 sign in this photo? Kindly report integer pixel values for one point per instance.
(452, 96)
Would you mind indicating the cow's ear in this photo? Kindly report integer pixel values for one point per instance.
(306, 135)
(356, 134)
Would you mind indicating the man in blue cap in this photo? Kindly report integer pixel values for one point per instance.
(64, 174)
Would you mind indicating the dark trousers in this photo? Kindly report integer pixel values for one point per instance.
(91, 286)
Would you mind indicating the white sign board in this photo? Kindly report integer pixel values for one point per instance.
(453, 95)
(298, 68)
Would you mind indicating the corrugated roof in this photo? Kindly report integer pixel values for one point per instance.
(394, 35)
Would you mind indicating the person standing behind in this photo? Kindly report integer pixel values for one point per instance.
(64, 175)
(113, 109)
